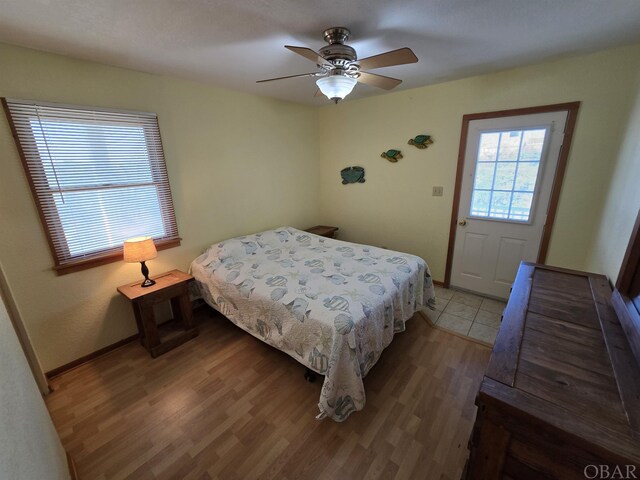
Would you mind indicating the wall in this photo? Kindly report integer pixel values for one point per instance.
(240, 163)
(237, 164)
(29, 445)
(394, 207)
(23, 335)
(622, 202)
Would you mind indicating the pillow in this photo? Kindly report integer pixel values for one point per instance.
(273, 238)
(233, 248)
(248, 245)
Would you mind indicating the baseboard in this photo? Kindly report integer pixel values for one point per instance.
(98, 353)
(73, 472)
(438, 283)
(79, 361)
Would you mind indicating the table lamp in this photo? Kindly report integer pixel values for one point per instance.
(140, 249)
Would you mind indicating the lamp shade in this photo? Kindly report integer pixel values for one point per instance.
(336, 87)
(139, 249)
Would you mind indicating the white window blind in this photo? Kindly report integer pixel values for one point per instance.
(98, 176)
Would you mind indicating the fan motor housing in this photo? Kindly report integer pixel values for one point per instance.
(339, 51)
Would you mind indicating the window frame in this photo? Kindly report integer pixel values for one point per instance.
(64, 265)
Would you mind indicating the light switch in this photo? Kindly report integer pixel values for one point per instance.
(437, 191)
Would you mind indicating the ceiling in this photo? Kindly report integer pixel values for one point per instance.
(233, 43)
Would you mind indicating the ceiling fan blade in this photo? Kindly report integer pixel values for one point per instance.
(310, 55)
(379, 81)
(288, 76)
(401, 56)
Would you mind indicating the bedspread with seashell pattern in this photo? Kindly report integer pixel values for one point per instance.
(334, 306)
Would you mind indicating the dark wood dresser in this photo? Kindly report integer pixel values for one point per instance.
(561, 395)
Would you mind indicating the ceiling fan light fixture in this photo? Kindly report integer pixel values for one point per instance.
(340, 69)
(336, 87)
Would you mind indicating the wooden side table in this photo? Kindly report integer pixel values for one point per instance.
(172, 286)
(323, 230)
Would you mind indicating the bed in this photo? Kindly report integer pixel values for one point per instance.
(334, 306)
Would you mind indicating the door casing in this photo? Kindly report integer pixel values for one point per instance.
(572, 114)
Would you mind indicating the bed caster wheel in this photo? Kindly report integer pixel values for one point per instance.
(310, 376)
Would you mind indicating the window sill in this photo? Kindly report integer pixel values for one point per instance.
(108, 258)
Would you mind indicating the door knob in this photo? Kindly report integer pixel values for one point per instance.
(462, 222)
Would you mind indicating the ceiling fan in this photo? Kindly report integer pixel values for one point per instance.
(340, 69)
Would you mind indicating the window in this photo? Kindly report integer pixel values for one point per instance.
(98, 177)
(506, 174)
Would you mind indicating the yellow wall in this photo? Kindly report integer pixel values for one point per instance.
(394, 207)
(237, 164)
(29, 444)
(240, 163)
(623, 200)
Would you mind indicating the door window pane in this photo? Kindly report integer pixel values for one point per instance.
(506, 173)
(484, 176)
(480, 203)
(488, 147)
(527, 175)
(500, 202)
(509, 146)
(520, 206)
(532, 143)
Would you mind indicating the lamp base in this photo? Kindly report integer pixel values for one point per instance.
(145, 271)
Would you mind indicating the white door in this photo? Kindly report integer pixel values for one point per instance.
(508, 174)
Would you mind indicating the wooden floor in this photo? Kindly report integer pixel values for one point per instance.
(227, 406)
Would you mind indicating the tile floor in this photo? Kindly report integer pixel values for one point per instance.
(471, 315)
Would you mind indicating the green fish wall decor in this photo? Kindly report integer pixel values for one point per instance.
(421, 141)
(392, 155)
(352, 175)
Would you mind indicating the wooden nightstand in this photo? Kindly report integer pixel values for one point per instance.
(172, 286)
(323, 230)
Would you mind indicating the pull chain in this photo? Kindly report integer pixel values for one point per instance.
(46, 144)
